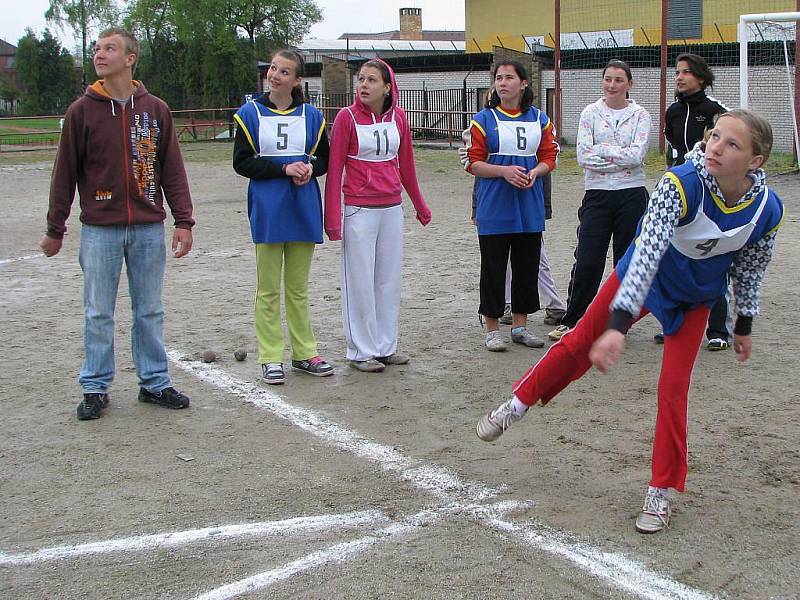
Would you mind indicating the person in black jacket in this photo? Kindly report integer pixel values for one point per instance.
(692, 114)
(687, 122)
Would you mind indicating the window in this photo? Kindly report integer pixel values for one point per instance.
(685, 20)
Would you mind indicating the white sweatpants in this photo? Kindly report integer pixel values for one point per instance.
(372, 267)
(548, 295)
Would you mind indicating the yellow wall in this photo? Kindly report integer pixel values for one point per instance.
(486, 20)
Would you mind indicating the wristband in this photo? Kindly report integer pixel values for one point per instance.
(621, 320)
(744, 325)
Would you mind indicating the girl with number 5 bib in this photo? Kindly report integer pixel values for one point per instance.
(512, 146)
(282, 147)
(371, 144)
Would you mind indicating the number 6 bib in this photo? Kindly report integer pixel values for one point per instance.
(517, 138)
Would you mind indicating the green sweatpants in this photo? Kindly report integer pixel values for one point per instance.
(295, 259)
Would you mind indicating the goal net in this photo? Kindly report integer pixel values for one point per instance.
(768, 74)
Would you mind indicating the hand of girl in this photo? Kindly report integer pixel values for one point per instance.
(516, 176)
(300, 172)
(531, 178)
(742, 345)
(607, 349)
(424, 218)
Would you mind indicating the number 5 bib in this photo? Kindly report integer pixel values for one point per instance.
(377, 142)
(281, 135)
(517, 138)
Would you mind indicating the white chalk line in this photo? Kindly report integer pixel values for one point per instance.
(623, 572)
(614, 568)
(5, 261)
(435, 479)
(194, 536)
(337, 553)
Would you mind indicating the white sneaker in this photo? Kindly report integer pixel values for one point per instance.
(494, 342)
(556, 334)
(655, 513)
(491, 426)
(272, 373)
(526, 338)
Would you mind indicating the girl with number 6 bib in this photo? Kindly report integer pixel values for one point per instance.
(512, 146)
(282, 147)
(371, 144)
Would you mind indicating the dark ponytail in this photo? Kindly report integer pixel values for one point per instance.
(526, 100)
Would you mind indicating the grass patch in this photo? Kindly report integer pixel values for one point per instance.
(29, 125)
(208, 152)
(432, 159)
(654, 165)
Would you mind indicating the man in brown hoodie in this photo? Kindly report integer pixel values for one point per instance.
(119, 147)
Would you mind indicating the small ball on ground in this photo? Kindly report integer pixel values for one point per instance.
(240, 354)
(209, 356)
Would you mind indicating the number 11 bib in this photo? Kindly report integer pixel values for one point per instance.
(377, 142)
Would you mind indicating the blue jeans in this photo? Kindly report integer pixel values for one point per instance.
(103, 248)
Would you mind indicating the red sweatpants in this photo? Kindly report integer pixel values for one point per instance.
(568, 360)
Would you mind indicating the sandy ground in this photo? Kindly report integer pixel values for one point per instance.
(399, 444)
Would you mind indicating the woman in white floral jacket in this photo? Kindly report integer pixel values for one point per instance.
(611, 147)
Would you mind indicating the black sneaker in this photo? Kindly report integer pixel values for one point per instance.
(168, 398)
(91, 406)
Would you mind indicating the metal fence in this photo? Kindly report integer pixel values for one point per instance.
(439, 115)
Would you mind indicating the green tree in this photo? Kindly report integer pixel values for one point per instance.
(82, 17)
(47, 75)
(200, 53)
(275, 23)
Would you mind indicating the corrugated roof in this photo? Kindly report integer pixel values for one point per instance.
(428, 35)
(7, 49)
(381, 44)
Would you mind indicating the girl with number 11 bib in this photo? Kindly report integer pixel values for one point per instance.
(371, 144)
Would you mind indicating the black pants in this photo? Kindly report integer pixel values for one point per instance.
(525, 249)
(718, 321)
(603, 214)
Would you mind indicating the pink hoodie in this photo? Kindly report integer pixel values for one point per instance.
(369, 183)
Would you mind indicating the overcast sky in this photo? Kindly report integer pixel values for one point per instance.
(374, 16)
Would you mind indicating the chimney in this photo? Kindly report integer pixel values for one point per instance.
(410, 23)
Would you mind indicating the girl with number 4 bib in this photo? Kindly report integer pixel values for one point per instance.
(282, 147)
(512, 146)
(371, 143)
(707, 219)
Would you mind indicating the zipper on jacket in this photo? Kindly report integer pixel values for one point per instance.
(127, 164)
(686, 130)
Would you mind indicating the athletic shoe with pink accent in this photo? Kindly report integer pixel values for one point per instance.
(494, 424)
(313, 366)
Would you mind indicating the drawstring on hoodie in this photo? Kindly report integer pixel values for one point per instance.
(114, 112)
